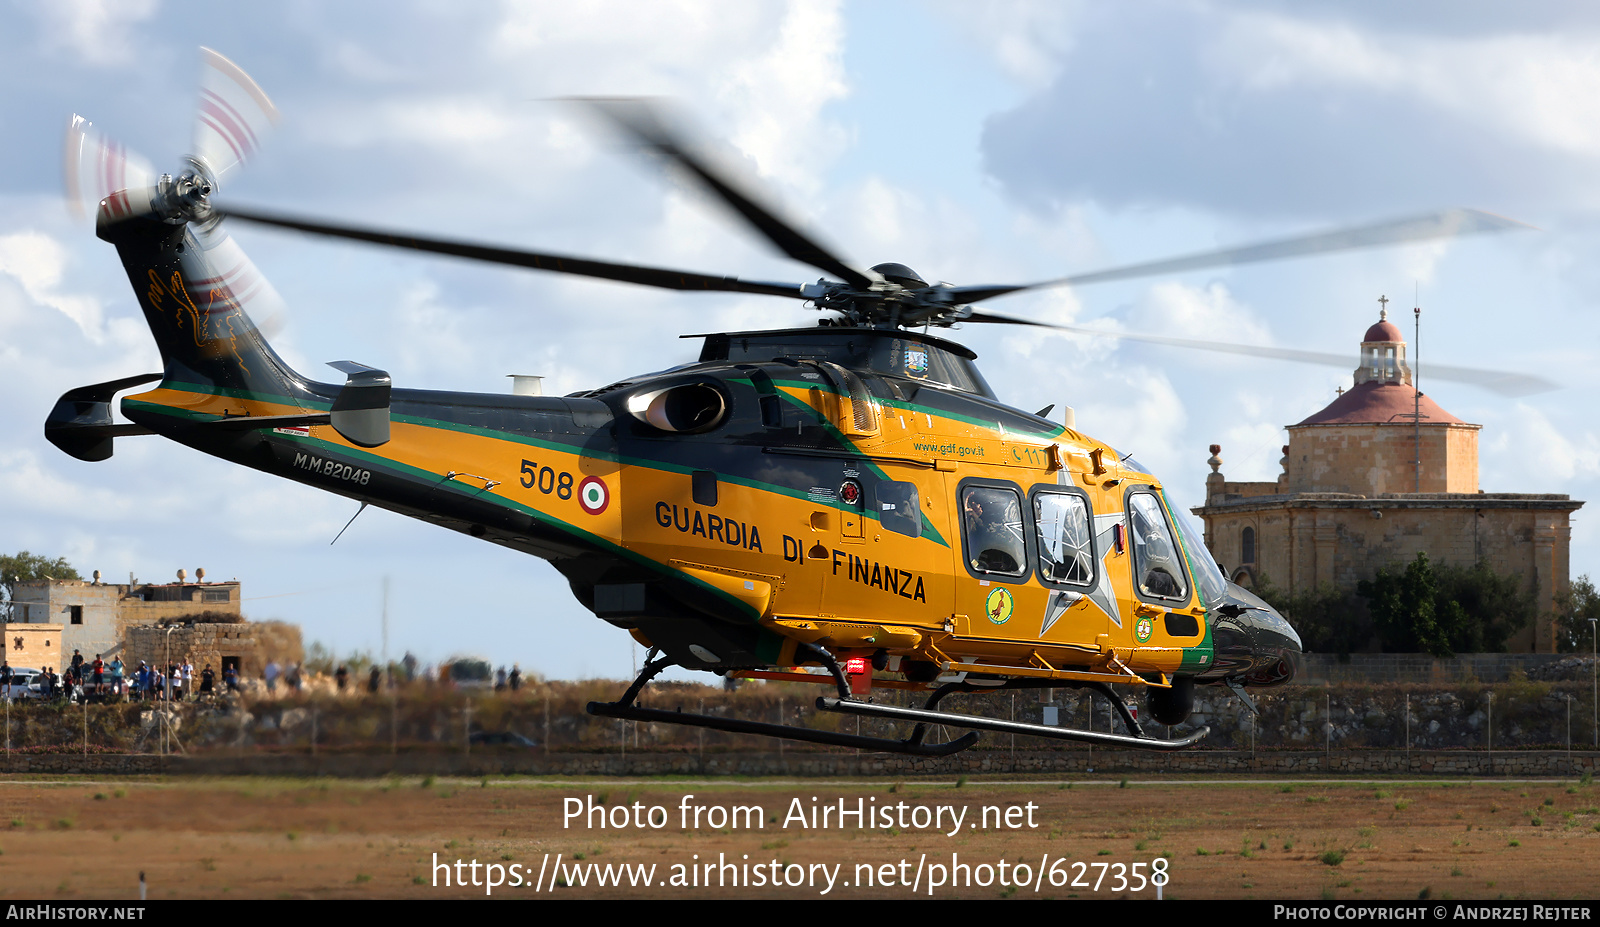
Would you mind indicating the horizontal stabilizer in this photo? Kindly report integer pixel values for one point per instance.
(361, 410)
(81, 423)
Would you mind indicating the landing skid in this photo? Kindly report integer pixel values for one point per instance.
(626, 710)
(912, 745)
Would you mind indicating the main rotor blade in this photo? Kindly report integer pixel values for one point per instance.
(1498, 381)
(606, 270)
(1446, 224)
(646, 124)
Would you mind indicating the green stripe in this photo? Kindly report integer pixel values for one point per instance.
(378, 462)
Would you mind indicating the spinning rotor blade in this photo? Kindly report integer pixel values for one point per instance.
(646, 124)
(97, 167)
(232, 118)
(1446, 224)
(1498, 381)
(605, 270)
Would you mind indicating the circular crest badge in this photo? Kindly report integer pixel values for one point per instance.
(593, 495)
(999, 606)
(1143, 628)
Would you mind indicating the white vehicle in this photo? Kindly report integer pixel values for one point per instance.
(23, 683)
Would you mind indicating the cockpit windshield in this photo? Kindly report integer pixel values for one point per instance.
(1208, 578)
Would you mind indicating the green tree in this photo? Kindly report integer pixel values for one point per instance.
(1495, 606)
(1446, 610)
(1328, 619)
(1573, 612)
(25, 567)
(1404, 608)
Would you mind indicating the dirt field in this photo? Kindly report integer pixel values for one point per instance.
(262, 838)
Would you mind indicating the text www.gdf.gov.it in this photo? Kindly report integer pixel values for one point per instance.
(922, 875)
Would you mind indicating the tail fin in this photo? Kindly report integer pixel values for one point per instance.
(193, 285)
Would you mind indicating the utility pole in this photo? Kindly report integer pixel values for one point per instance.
(1416, 387)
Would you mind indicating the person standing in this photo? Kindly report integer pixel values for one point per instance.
(374, 680)
(208, 681)
(271, 675)
(230, 678)
(341, 676)
(516, 676)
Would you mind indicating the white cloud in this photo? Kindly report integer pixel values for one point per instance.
(1541, 88)
(99, 31)
(38, 262)
(1027, 39)
(777, 97)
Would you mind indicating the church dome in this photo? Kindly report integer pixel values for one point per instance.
(1376, 402)
(1383, 330)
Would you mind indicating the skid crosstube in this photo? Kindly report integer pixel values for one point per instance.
(924, 717)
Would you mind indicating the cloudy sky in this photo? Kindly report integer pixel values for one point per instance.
(978, 142)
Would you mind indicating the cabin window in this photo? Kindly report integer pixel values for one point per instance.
(1156, 561)
(1066, 538)
(1248, 543)
(898, 509)
(77, 613)
(991, 519)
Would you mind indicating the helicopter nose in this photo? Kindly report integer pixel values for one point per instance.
(1275, 646)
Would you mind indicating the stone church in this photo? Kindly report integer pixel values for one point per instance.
(1379, 474)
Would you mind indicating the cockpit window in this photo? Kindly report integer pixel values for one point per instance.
(1208, 578)
(1157, 562)
(992, 522)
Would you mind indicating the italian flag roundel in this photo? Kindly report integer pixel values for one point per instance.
(593, 495)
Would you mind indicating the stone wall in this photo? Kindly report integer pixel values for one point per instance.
(34, 646)
(1373, 458)
(251, 643)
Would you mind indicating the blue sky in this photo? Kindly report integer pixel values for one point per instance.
(976, 142)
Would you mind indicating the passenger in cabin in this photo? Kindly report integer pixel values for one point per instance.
(994, 530)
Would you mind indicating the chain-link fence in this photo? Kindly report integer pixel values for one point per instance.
(550, 718)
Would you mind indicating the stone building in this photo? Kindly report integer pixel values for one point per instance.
(1378, 475)
(247, 646)
(94, 617)
(34, 646)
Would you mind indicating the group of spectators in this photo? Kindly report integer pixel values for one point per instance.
(101, 681)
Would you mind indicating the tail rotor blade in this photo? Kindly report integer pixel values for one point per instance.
(222, 274)
(96, 168)
(233, 117)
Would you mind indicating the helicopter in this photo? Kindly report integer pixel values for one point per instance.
(848, 504)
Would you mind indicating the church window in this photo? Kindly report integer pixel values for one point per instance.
(1248, 543)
